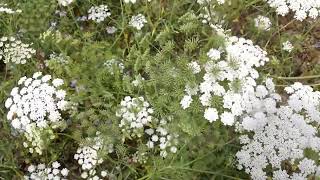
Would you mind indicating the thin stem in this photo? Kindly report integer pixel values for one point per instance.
(298, 78)
(13, 169)
(278, 32)
(284, 85)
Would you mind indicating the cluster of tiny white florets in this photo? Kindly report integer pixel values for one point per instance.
(93, 175)
(287, 46)
(65, 2)
(238, 70)
(40, 171)
(262, 23)
(98, 13)
(279, 135)
(195, 67)
(33, 106)
(138, 157)
(111, 29)
(138, 80)
(114, 64)
(36, 138)
(207, 10)
(36, 100)
(161, 137)
(13, 50)
(5, 9)
(135, 113)
(56, 58)
(301, 9)
(304, 99)
(138, 21)
(88, 155)
(130, 1)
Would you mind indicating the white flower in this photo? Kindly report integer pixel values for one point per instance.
(173, 149)
(301, 9)
(138, 21)
(98, 13)
(4, 9)
(231, 79)
(31, 168)
(114, 65)
(261, 91)
(194, 67)
(160, 138)
(104, 173)
(64, 2)
(56, 164)
(57, 82)
(8, 102)
(214, 54)
(150, 144)
(56, 59)
(186, 101)
(111, 29)
(35, 105)
(280, 132)
(135, 113)
(130, 1)
(16, 124)
(287, 46)
(15, 51)
(211, 114)
(262, 22)
(41, 171)
(88, 155)
(149, 131)
(84, 175)
(64, 172)
(227, 118)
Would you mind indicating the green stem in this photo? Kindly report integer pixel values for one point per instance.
(298, 78)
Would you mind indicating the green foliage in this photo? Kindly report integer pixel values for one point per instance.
(173, 37)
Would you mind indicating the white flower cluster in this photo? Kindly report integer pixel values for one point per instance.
(138, 80)
(228, 79)
(262, 23)
(287, 46)
(279, 135)
(98, 13)
(5, 9)
(130, 1)
(65, 2)
(301, 9)
(195, 67)
(138, 21)
(138, 157)
(88, 155)
(93, 175)
(135, 113)
(161, 137)
(40, 171)
(207, 8)
(111, 29)
(36, 138)
(112, 64)
(13, 50)
(56, 58)
(38, 100)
